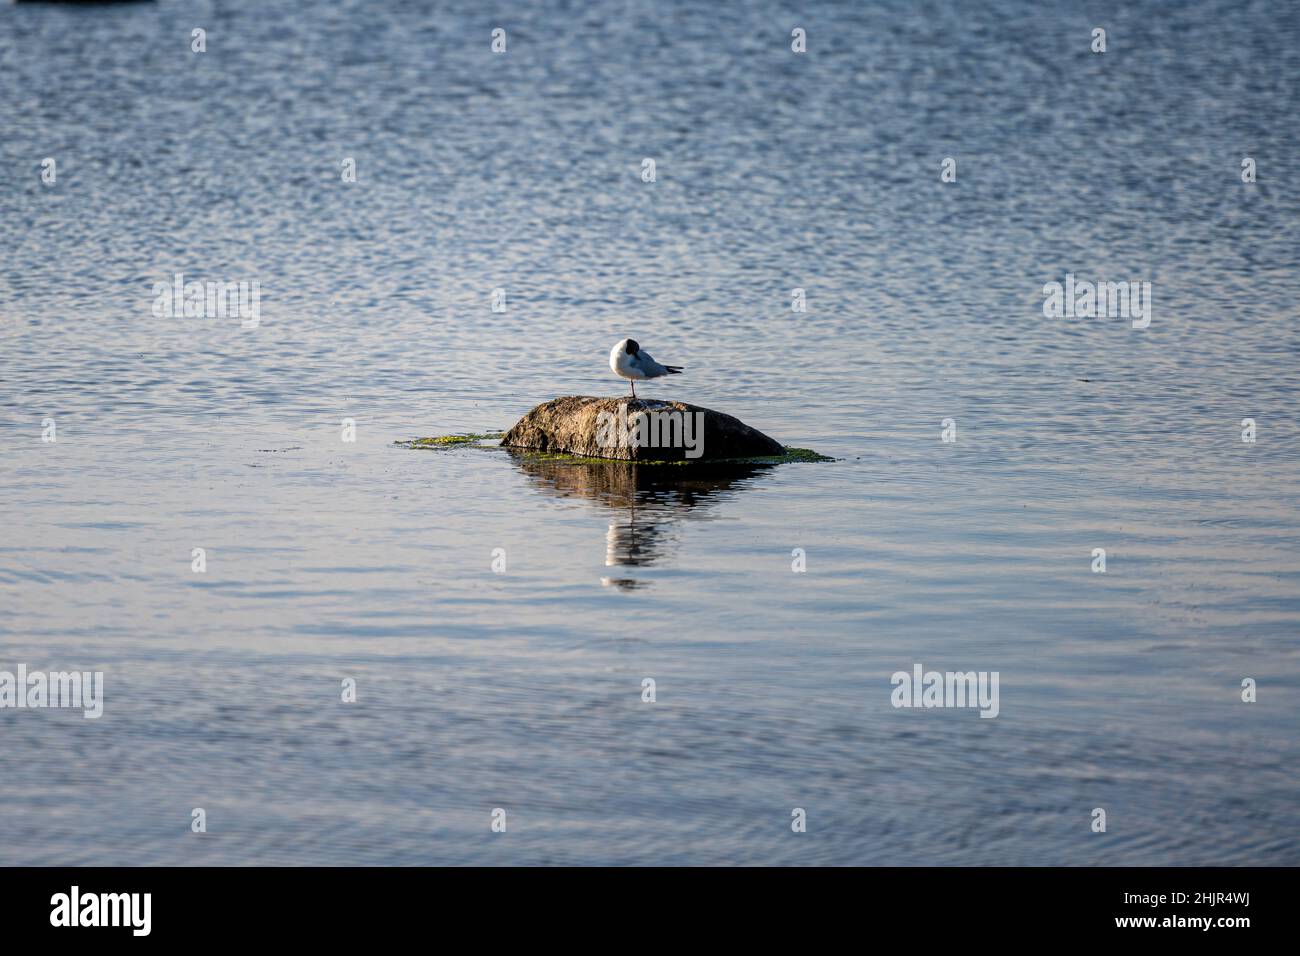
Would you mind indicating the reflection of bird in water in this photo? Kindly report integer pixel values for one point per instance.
(621, 550)
(628, 544)
(652, 500)
(623, 544)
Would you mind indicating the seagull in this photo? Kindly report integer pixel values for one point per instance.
(629, 361)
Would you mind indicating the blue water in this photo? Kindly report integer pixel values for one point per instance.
(522, 690)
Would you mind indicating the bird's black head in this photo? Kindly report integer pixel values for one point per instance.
(632, 347)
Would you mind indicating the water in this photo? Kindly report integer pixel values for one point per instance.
(328, 560)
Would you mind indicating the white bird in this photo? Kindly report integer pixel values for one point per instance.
(630, 361)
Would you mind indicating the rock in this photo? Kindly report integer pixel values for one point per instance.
(652, 430)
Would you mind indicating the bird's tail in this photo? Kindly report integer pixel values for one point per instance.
(674, 369)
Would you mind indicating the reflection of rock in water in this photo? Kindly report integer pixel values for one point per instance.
(650, 500)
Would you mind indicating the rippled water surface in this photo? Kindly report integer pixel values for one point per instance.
(522, 690)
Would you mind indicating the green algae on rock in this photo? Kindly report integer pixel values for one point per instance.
(474, 440)
(789, 455)
(577, 429)
(492, 440)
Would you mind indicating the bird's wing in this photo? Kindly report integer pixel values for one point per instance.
(648, 365)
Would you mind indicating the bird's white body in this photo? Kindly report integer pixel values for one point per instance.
(624, 365)
(637, 367)
(630, 361)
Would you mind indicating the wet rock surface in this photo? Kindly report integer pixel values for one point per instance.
(637, 430)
